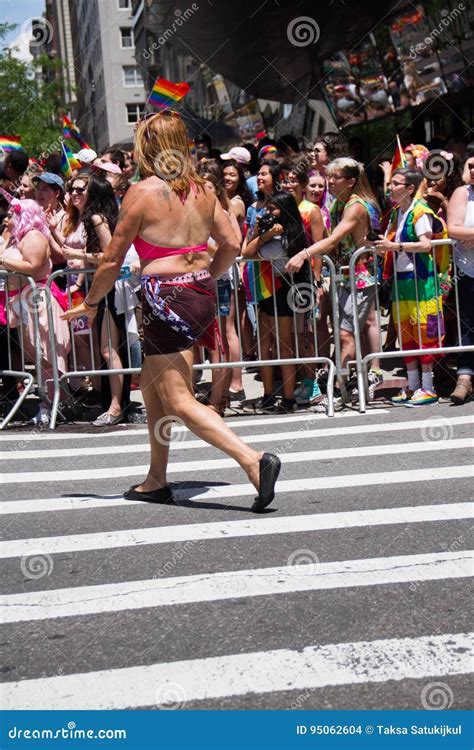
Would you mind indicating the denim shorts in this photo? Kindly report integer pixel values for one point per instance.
(224, 291)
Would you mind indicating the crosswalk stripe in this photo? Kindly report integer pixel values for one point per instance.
(103, 540)
(431, 427)
(70, 475)
(121, 430)
(226, 491)
(232, 584)
(317, 666)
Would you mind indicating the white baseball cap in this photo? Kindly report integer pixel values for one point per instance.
(86, 155)
(239, 153)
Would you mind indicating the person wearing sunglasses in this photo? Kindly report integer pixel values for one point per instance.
(461, 229)
(169, 217)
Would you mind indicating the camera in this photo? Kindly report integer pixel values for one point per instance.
(266, 222)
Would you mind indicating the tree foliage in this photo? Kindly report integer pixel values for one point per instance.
(30, 99)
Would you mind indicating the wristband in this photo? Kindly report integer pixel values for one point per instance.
(91, 305)
(307, 254)
(400, 247)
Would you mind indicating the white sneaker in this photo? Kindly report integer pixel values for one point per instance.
(42, 417)
(107, 420)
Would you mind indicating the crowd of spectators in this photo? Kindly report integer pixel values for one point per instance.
(290, 205)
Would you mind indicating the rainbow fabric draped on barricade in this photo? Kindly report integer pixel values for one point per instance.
(258, 281)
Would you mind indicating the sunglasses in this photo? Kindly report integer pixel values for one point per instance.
(78, 190)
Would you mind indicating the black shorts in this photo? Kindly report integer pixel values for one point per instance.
(280, 300)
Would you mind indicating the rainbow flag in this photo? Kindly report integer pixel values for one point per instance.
(165, 93)
(10, 142)
(70, 130)
(69, 161)
(398, 161)
(258, 281)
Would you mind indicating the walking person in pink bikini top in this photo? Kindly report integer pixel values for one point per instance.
(169, 217)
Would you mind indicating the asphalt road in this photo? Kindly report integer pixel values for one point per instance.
(350, 592)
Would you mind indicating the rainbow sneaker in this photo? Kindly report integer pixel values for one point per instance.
(402, 397)
(422, 398)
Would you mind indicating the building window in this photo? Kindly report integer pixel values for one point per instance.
(124, 4)
(126, 38)
(131, 76)
(134, 113)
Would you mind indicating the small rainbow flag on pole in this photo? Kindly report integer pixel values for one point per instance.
(68, 161)
(10, 142)
(398, 161)
(165, 93)
(70, 130)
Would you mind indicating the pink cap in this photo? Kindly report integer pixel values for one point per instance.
(107, 166)
(239, 153)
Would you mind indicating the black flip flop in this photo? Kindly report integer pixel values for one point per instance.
(270, 466)
(162, 496)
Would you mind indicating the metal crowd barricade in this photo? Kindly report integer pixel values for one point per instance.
(90, 337)
(363, 361)
(310, 307)
(90, 344)
(13, 348)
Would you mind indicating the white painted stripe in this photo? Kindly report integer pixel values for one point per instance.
(314, 667)
(223, 492)
(103, 540)
(232, 584)
(432, 428)
(72, 475)
(121, 430)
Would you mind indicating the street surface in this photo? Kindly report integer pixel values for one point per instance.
(350, 592)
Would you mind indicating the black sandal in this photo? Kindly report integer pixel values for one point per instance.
(270, 466)
(162, 496)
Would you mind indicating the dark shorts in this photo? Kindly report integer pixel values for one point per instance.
(197, 308)
(280, 301)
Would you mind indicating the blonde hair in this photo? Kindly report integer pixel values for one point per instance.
(162, 150)
(354, 169)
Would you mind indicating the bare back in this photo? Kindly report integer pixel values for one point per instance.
(169, 222)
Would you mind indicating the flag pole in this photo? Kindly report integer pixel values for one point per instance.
(400, 151)
(67, 160)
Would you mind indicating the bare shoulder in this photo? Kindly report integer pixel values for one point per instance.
(460, 195)
(34, 240)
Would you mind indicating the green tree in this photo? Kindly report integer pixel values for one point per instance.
(30, 99)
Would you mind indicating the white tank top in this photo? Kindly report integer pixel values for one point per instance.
(465, 250)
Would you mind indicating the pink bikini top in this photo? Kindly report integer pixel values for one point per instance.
(147, 251)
